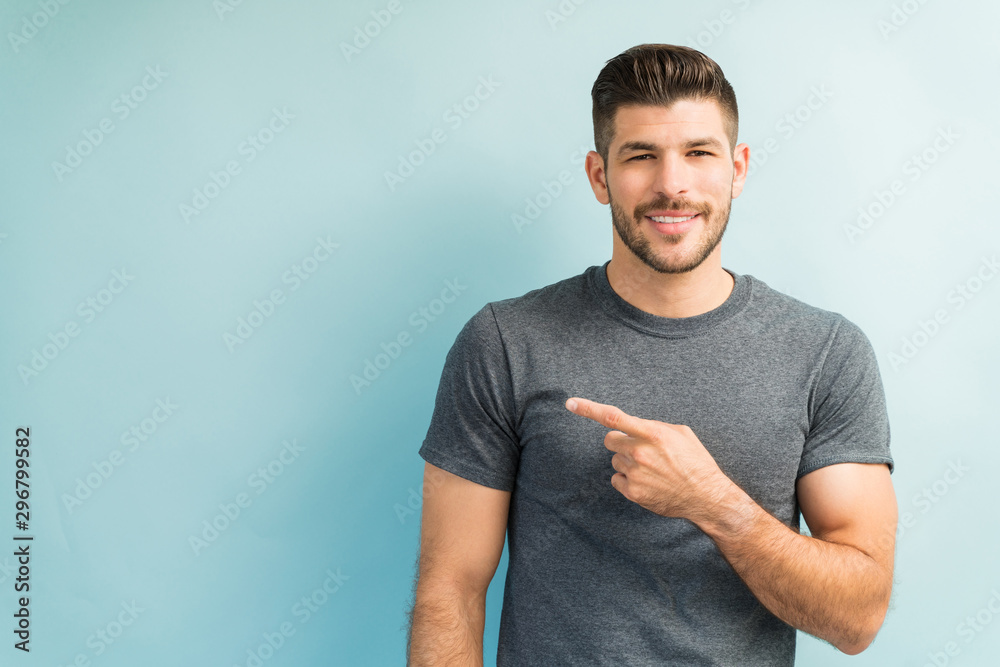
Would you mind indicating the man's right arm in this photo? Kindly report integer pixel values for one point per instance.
(462, 532)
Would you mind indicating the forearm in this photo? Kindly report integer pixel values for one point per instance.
(833, 591)
(446, 628)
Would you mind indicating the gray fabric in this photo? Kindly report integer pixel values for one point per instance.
(773, 387)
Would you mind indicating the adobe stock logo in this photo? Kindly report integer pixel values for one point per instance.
(915, 167)
(88, 309)
(30, 28)
(223, 7)
(960, 295)
(229, 512)
(455, 115)
(381, 18)
(970, 628)
(715, 27)
(265, 308)
(420, 319)
(415, 501)
(930, 495)
(106, 467)
(788, 125)
(122, 107)
(304, 609)
(562, 12)
(250, 148)
(549, 191)
(104, 637)
(900, 16)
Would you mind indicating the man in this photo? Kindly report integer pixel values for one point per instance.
(647, 433)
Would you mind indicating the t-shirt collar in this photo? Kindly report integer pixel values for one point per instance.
(615, 305)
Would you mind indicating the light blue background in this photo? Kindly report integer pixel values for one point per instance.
(896, 75)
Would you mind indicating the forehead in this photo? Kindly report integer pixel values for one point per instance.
(683, 118)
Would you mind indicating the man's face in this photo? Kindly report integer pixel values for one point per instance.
(664, 166)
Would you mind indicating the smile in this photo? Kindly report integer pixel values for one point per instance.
(668, 219)
(666, 224)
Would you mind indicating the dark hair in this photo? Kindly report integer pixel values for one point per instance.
(659, 74)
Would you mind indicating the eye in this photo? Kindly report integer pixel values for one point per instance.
(701, 152)
(639, 156)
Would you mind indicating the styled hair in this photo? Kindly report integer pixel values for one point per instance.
(659, 75)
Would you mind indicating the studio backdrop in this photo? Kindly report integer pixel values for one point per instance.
(238, 238)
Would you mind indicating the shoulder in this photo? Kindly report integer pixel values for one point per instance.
(802, 320)
(533, 309)
(532, 312)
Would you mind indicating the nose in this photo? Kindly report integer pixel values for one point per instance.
(672, 176)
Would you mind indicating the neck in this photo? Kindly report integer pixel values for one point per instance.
(671, 294)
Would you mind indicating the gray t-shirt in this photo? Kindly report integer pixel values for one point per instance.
(773, 387)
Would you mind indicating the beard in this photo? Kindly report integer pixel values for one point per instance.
(711, 226)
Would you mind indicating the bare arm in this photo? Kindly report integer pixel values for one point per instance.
(462, 532)
(834, 585)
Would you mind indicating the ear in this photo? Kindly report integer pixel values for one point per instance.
(597, 175)
(741, 161)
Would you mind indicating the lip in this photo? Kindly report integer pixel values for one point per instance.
(674, 227)
(671, 214)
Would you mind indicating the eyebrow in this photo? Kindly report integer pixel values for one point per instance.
(630, 146)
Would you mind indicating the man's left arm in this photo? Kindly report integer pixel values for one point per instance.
(834, 585)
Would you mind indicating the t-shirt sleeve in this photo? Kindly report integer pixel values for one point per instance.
(472, 432)
(848, 417)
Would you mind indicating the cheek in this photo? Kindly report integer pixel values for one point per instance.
(721, 182)
(717, 184)
(628, 186)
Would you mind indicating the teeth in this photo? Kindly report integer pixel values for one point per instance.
(668, 219)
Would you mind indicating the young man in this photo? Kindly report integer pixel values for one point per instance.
(646, 434)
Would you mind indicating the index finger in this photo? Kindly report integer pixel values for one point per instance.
(610, 416)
